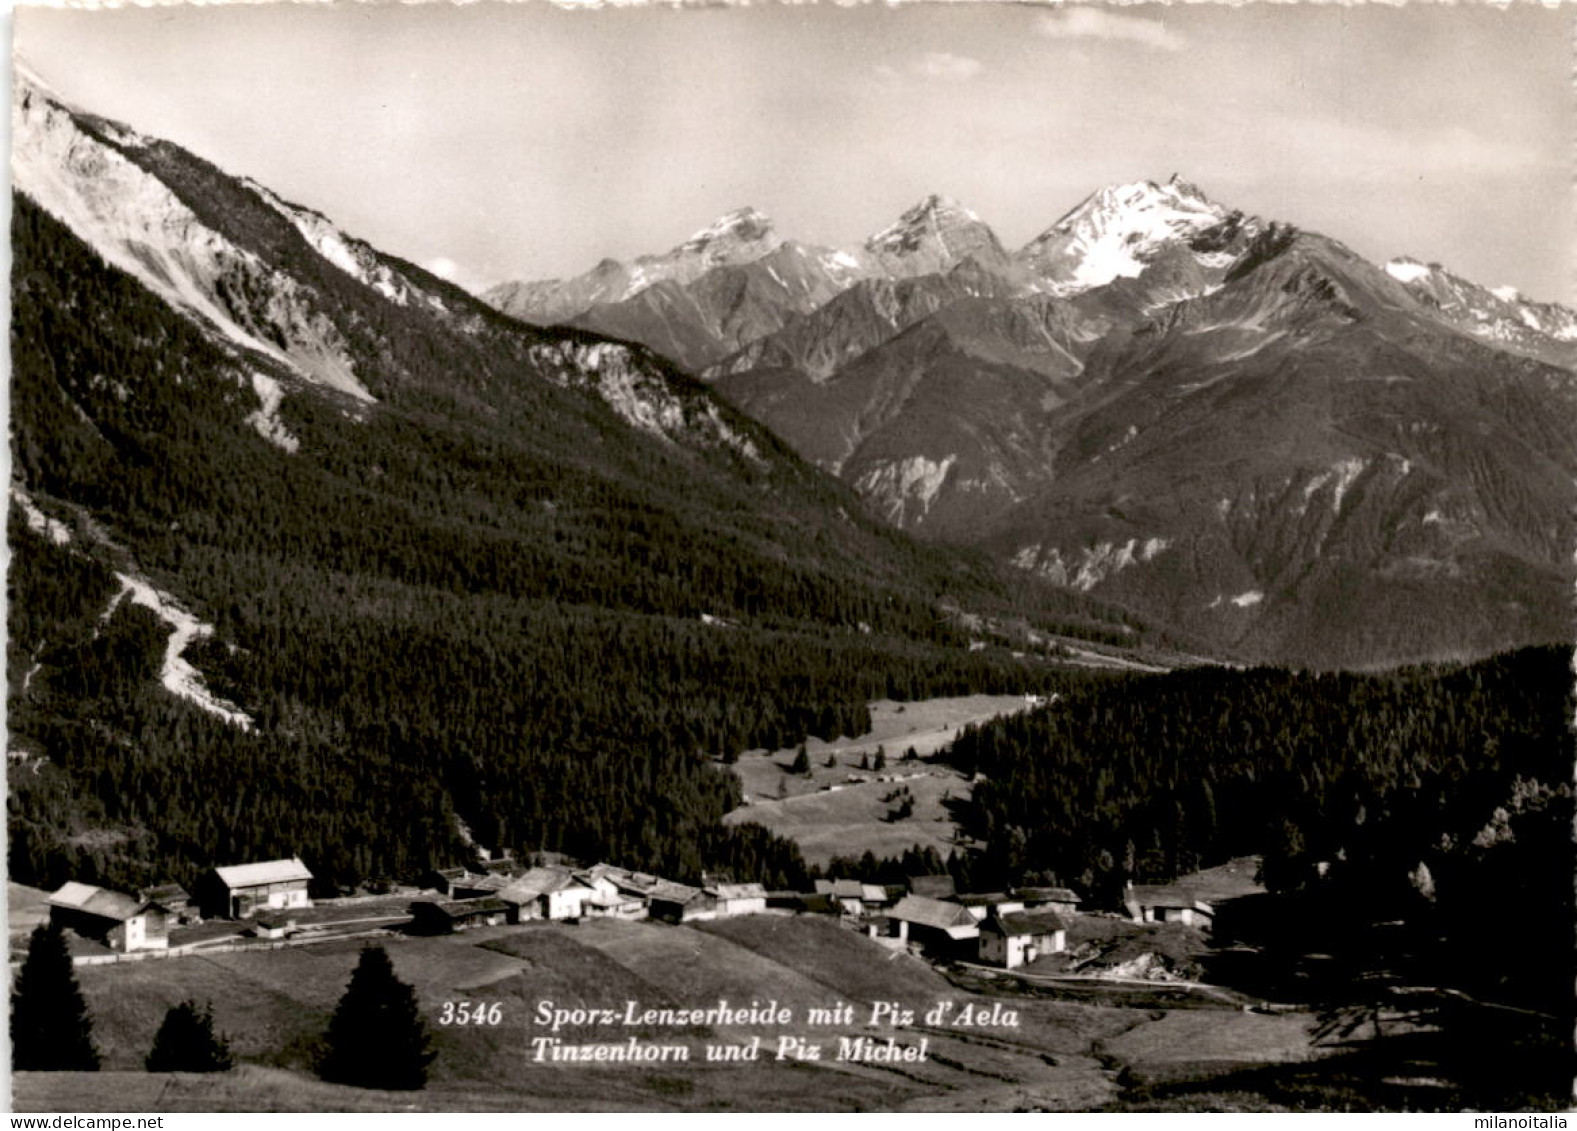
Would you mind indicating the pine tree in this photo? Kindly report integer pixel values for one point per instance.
(801, 762)
(377, 1038)
(50, 1027)
(187, 1042)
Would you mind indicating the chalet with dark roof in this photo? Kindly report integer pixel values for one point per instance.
(445, 917)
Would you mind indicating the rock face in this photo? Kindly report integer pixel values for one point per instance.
(1220, 420)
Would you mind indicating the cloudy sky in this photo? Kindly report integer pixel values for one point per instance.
(526, 140)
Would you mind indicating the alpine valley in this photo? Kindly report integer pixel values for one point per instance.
(297, 522)
(1216, 580)
(1220, 422)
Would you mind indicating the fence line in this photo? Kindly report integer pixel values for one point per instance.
(213, 948)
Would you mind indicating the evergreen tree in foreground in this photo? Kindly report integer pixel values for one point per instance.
(50, 1027)
(377, 1038)
(187, 1042)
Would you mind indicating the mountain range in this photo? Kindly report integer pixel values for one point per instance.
(1221, 421)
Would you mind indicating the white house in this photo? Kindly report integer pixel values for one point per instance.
(547, 893)
(738, 899)
(1012, 939)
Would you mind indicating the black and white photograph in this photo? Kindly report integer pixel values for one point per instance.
(791, 557)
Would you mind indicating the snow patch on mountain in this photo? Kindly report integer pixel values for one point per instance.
(1248, 599)
(1407, 270)
(1114, 233)
(176, 673)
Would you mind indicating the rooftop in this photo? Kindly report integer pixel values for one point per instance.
(265, 872)
(931, 913)
(96, 901)
(1025, 923)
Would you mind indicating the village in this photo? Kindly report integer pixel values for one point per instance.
(267, 904)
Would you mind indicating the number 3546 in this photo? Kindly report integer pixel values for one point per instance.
(471, 1013)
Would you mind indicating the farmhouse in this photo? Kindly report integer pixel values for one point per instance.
(240, 891)
(545, 893)
(680, 903)
(737, 899)
(1012, 939)
(933, 924)
(606, 900)
(852, 896)
(120, 921)
(432, 917)
(1146, 904)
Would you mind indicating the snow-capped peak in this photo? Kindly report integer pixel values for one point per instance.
(1115, 231)
(933, 215)
(743, 225)
(1506, 294)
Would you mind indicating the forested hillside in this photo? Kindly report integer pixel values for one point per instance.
(1438, 793)
(484, 607)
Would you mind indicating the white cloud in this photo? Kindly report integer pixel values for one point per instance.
(443, 267)
(1096, 23)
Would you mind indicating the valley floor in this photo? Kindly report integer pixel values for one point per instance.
(838, 810)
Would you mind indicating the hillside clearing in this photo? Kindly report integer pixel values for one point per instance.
(839, 810)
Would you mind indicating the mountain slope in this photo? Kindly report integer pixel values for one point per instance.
(316, 554)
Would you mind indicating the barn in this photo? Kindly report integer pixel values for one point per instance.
(547, 893)
(1146, 904)
(738, 899)
(937, 926)
(120, 921)
(680, 903)
(240, 891)
(444, 917)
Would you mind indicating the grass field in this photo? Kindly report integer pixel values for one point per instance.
(828, 815)
(1056, 1055)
